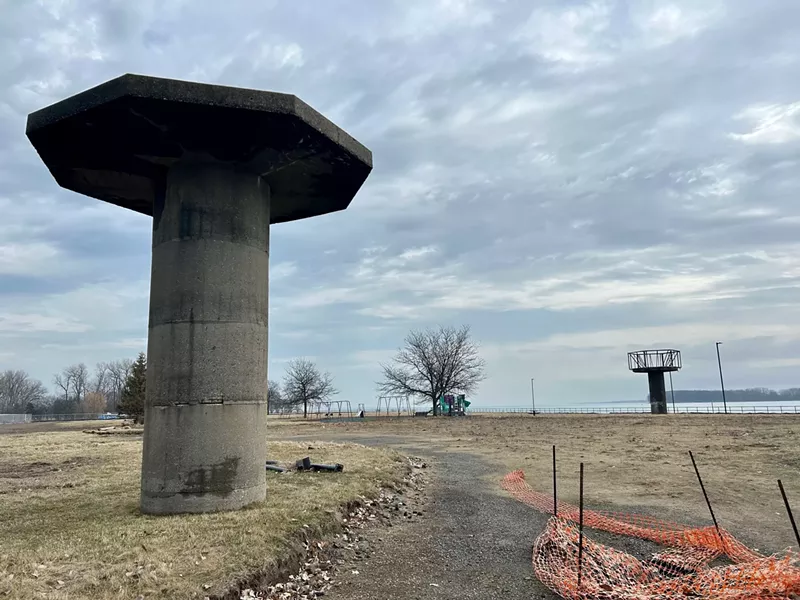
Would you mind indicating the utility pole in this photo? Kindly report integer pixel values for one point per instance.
(533, 398)
(721, 382)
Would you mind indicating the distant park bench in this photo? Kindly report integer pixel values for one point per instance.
(422, 413)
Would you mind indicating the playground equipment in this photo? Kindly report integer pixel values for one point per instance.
(401, 405)
(454, 405)
(342, 406)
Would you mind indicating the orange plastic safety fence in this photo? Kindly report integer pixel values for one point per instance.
(680, 571)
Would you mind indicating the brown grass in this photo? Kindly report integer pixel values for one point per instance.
(636, 463)
(70, 526)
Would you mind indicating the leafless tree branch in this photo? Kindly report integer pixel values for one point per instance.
(304, 383)
(432, 363)
(18, 392)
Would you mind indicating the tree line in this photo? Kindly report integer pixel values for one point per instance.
(429, 364)
(121, 386)
(109, 388)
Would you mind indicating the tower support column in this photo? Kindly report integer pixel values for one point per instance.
(658, 393)
(206, 411)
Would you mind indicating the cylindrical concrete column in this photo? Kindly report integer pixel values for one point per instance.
(658, 393)
(205, 415)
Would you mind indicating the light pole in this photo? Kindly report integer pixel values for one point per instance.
(533, 398)
(721, 382)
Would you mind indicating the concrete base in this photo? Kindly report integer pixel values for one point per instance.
(203, 458)
(206, 408)
(658, 393)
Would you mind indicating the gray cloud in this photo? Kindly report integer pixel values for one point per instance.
(572, 178)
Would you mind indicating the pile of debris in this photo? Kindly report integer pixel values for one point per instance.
(317, 575)
(126, 428)
(305, 464)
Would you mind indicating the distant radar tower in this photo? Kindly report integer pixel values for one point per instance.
(655, 363)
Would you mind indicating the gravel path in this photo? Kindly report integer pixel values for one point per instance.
(472, 541)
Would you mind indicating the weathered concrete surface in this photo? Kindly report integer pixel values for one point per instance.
(209, 290)
(214, 166)
(116, 142)
(207, 343)
(203, 457)
(658, 392)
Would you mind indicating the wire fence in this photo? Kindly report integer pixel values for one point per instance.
(754, 409)
(74, 417)
(606, 410)
(14, 419)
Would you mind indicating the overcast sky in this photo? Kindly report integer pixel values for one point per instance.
(573, 180)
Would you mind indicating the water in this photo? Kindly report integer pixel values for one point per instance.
(776, 407)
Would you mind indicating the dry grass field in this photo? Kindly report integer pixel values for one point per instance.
(70, 525)
(636, 463)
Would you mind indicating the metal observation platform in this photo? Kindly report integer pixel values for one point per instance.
(655, 363)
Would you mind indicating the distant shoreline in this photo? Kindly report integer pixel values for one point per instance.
(709, 401)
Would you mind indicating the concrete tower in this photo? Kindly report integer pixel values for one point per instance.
(655, 363)
(214, 166)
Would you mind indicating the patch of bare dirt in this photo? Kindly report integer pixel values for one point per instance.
(37, 469)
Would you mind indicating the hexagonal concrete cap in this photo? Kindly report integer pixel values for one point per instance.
(115, 142)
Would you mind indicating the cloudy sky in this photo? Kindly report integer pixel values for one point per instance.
(572, 179)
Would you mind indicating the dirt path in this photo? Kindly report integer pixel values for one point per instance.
(470, 542)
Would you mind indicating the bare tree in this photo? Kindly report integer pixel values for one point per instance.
(79, 377)
(303, 383)
(117, 373)
(276, 401)
(19, 393)
(63, 382)
(432, 363)
(100, 382)
(48, 404)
